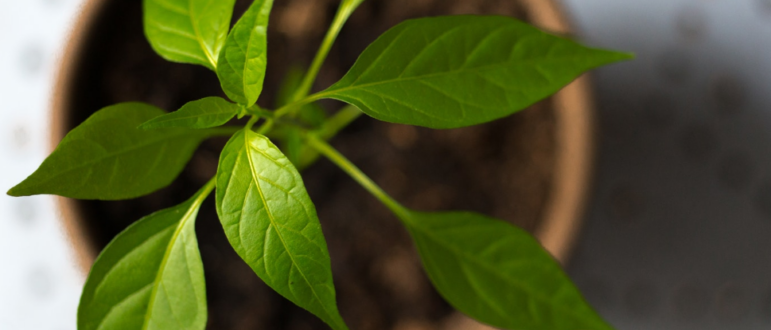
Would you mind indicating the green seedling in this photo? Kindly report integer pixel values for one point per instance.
(438, 72)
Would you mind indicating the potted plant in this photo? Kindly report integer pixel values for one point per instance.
(157, 150)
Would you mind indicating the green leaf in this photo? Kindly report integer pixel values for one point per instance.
(455, 71)
(243, 60)
(497, 273)
(272, 224)
(188, 31)
(204, 113)
(150, 276)
(107, 157)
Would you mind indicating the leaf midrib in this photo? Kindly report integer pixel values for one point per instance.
(255, 178)
(531, 62)
(493, 270)
(193, 21)
(193, 116)
(169, 247)
(112, 154)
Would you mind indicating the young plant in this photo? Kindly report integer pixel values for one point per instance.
(439, 72)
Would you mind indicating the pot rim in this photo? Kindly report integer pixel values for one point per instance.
(575, 149)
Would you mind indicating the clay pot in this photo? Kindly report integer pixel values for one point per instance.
(571, 134)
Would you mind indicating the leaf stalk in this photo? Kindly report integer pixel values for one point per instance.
(343, 12)
(336, 157)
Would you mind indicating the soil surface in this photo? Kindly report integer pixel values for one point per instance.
(503, 168)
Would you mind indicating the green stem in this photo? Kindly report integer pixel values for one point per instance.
(206, 191)
(292, 106)
(339, 121)
(330, 128)
(265, 128)
(343, 12)
(251, 122)
(346, 165)
(258, 111)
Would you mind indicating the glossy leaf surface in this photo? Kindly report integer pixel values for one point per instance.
(272, 224)
(455, 71)
(242, 63)
(497, 273)
(204, 113)
(150, 276)
(188, 31)
(107, 157)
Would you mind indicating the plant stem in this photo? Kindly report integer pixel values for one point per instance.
(343, 12)
(266, 127)
(333, 155)
(328, 130)
(251, 122)
(339, 121)
(282, 111)
(206, 191)
(256, 110)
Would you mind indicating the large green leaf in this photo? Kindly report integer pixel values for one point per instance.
(107, 157)
(243, 60)
(204, 113)
(497, 273)
(454, 71)
(150, 276)
(272, 224)
(188, 31)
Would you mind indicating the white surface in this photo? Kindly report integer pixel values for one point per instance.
(39, 282)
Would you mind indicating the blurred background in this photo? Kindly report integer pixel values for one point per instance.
(677, 234)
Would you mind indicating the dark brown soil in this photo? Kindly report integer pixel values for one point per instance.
(503, 168)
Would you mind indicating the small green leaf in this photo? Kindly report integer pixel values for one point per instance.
(107, 157)
(455, 71)
(188, 31)
(204, 113)
(272, 224)
(243, 60)
(497, 273)
(150, 276)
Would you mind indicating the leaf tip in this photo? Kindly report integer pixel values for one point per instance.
(616, 56)
(16, 191)
(626, 56)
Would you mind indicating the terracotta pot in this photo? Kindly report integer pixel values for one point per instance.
(561, 219)
(575, 115)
